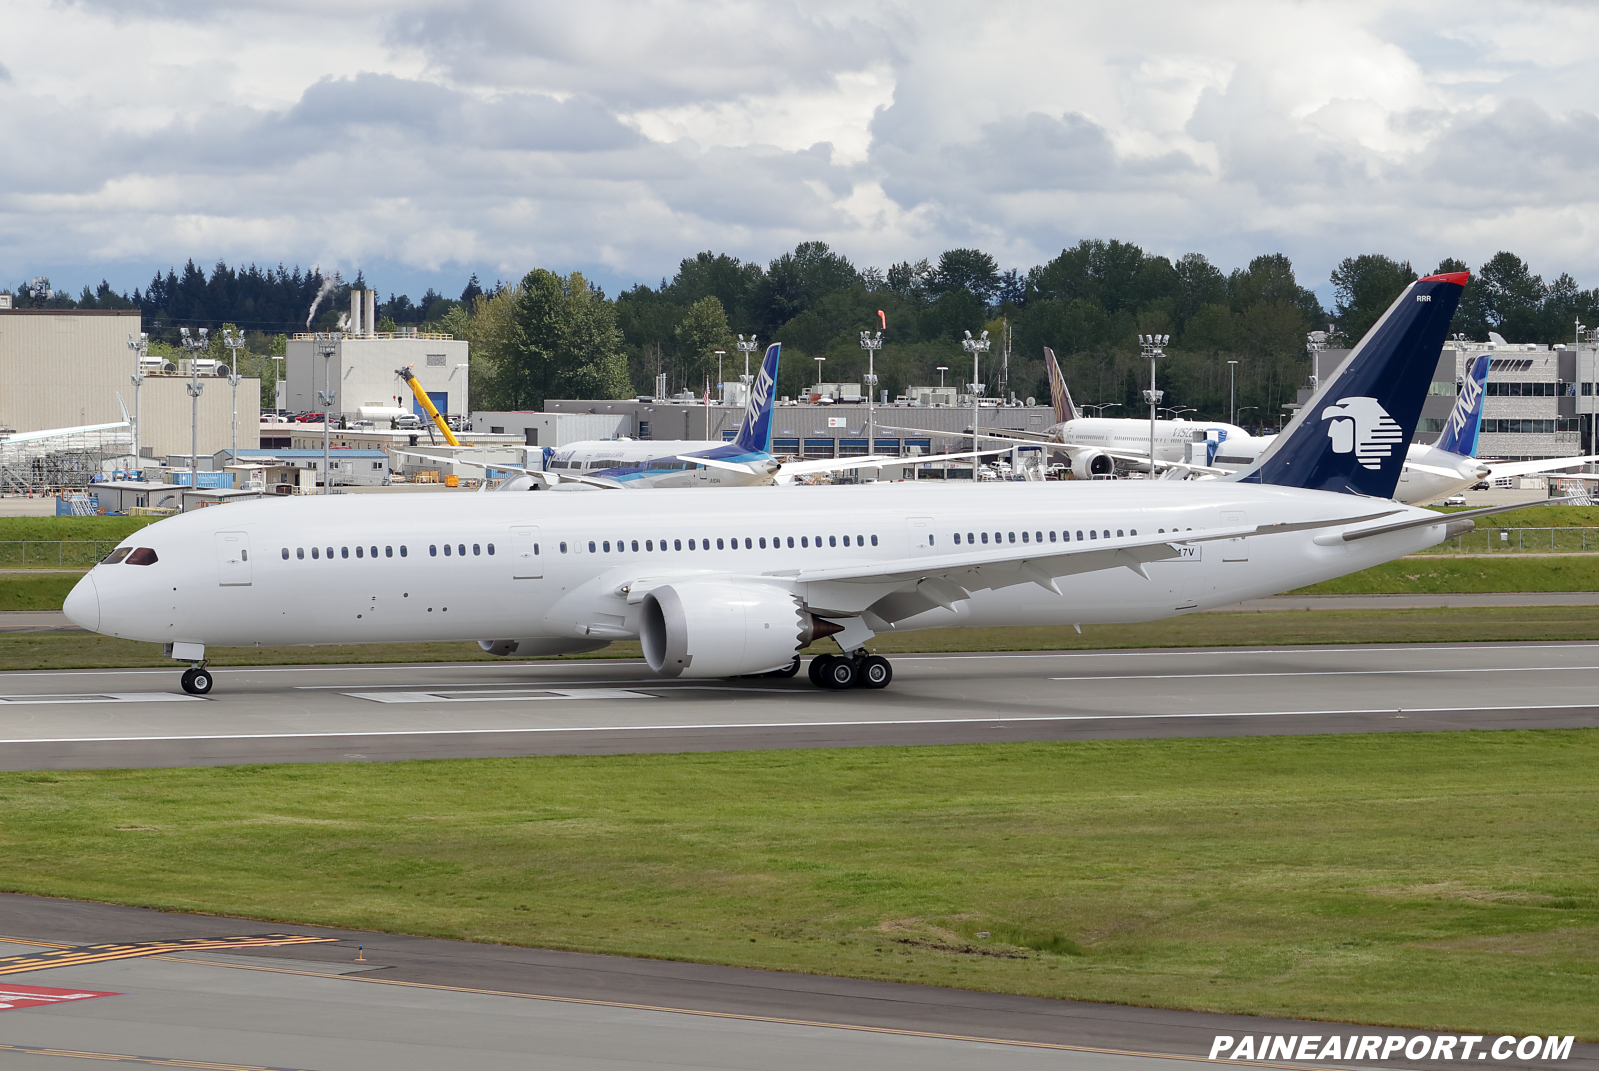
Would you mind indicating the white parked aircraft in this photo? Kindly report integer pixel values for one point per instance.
(733, 582)
(1094, 445)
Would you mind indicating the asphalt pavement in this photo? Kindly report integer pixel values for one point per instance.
(129, 718)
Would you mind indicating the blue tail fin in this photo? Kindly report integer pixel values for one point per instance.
(755, 434)
(1465, 419)
(1352, 434)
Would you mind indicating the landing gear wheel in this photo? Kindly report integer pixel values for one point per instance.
(197, 681)
(876, 672)
(787, 671)
(840, 674)
(818, 666)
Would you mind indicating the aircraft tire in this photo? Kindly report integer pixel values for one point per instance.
(787, 671)
(876, 672)
(819, 666)
(840, 674)
(197, 681)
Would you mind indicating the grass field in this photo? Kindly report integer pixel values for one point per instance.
(1444, 881)
(35, 591)
(76, 650)
(114, 528)
(1435, 574)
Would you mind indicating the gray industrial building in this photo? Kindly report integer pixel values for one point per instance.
(63, 368)
(808, 430)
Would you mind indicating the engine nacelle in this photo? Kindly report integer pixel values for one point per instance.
(1090, 463)
(722, 629)
(540, 645)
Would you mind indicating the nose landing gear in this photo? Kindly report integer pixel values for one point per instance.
(858, 670)
(197, 680)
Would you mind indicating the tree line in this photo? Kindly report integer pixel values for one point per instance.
(551, 335)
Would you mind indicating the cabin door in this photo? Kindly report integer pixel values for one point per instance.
(527, 559)
(233, 559)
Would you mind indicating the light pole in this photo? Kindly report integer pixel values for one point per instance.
(234, 343)
(818, 361)
(195, 346)
(1244, 409)
(976, 347)
(941, 370)
(1099, 407)
(871, 342)
(140, 345)
(1177, 412)
(1153, 346)
(1232, 392)
(747, 346)
(324, 398)
(721, 386)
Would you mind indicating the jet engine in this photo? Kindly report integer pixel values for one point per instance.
(1090, 463)
(721, 629)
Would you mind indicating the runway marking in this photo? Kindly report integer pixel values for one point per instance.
(519, 695)
(37, 996)
(153, 1061)
(73, 956)
(1228, 675)
(97, 697)
(996, 721)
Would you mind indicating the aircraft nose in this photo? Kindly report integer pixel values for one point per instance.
(83, 605)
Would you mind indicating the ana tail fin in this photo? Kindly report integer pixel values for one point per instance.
(1351, 436)
(755, 433)
(1060, 396)
(1465, 419)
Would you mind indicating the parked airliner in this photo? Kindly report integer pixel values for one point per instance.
(733, 582)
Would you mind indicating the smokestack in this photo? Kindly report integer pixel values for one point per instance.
(371, 312)
(355, 311)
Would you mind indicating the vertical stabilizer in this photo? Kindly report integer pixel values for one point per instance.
(1060, 396)
(755, 433)
(1352, 435)
(1465, 419)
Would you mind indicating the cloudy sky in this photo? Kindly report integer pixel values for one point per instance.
(422, 140)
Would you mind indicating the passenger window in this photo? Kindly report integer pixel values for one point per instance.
(635, 544)
(805, 541)
(649, 544)
(748, 545)
(957, 538)
(677, 544)
(846, 541)
(860, 540)
(591, 546)
(299, 552)
(607, 546)
(985, 537)
(563, 548)
(1107, 533)
(763, 542)
(285, 554)
(142, 556)
(691, 544)
(832, 541)
(461, 549)
(388, 552)
(970, 538)
(446, 550)
(402, 550)
(358, 553)
(1038, 537)
(790, 541)
(244, 555)
(475, 550)
(1079, 533)
(1119, 532)
(374, 552)
(491, 549)
(1132, 531)
(1092, 534)
(874, 541)
(1052, 536)
(1024, 537)
(314, 553)
(433, 550)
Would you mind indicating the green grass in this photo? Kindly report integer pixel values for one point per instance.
(1443, 881)
(21, 651)
(112, 528)
(1436, 574)
(35, 591)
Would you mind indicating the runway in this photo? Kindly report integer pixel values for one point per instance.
(132, 718)
(418, 1003)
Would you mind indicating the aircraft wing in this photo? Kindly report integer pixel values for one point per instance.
(31, 436)
(943, 579)
(1003, 436)
(1500, 470)
(547, 477)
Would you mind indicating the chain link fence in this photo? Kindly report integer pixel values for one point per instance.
(54, 553)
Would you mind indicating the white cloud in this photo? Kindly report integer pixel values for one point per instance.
(620, 135)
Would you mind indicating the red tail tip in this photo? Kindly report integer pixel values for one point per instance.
(1459, 278)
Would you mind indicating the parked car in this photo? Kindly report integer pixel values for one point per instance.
(310, 418)
(1455, 500)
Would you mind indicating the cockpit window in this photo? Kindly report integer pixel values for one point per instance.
(142, 556)
(116, 555)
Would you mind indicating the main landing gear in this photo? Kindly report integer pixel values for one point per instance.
(197, 680)
(858, 670)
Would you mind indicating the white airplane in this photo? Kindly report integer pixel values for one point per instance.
(1434, 472)
(1095, 444)
(733, 582)
(746, 461)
